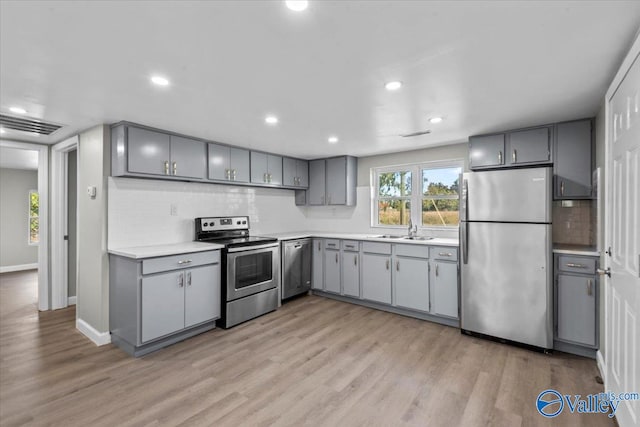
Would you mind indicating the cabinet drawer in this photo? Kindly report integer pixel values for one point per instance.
(174, 262)
(416, 251)
(351, 245)
(445, 253)
(376, 248)
(576, 264)
(332, 244)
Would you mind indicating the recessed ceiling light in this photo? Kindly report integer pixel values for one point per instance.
(435, 120)
(271, 120)
(2, 130)
(159, 80)
(18, 110)
(333, 139)
(393, 85)
(297, 5)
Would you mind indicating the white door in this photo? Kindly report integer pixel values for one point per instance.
(622, 294)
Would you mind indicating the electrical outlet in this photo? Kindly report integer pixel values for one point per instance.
(174, 209)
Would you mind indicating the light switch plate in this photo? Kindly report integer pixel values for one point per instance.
(91, 191)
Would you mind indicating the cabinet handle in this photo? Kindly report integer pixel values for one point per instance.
(181, 280)
(445, 254)
(562, 188)
(264, 177)
(227, 174)
(514, 156)
(436, 270)
(175, 168)
(355, 260)
(397, 265)
(166, 167)
(589, 287)
(189, 278)
(387, 263)
(329, 198)
(350, 246)
(499, 157)
(185, 261)
(270, 178)
(336, 257)
(322, 200)
(319, 245)
(570, 264)
(233, 172)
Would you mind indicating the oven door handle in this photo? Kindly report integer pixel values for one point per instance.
(252, 248)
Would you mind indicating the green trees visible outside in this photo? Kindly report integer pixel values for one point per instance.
(393, 190)
(440, 203)
(34, 221)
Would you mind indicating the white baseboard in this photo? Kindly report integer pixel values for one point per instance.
(71, 300)
(601, 367)
(21, 267)
(99, 338)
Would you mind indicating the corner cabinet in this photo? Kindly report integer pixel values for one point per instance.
(295, 172)
(332, 182)
(573, 160)
(138, 151)
(155, 302)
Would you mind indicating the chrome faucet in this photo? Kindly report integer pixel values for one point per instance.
(413, 231)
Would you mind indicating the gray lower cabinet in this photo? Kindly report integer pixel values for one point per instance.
(411, 283)
(351, 268)
(573, 160)
(376, 277)
(332, 282)
(266, 168)
(317, 182)
(444, 288)
(155, 302)
(228, 163)
(295, 172)
(317, 264)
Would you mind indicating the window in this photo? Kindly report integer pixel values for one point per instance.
(431, 186)
(34, 222)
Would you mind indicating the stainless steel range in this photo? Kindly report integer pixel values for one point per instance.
(250, 268)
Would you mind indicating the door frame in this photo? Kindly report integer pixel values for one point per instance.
(625, 66)
(43, 215)
(59, 216)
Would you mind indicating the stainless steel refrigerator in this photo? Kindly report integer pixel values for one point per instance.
(506, 268)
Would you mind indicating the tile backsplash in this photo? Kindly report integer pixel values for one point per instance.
(575, 222)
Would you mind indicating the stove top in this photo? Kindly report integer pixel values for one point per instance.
(228, 231)
(241, 241)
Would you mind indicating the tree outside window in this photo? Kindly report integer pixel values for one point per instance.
(394, 198)
(34, 221)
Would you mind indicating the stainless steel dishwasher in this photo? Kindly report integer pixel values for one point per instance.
(296, 267)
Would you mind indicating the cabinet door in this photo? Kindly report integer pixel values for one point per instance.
(259, 168)
(337, 181)
(302, 168)
(530, 146)
(202, 295)
(351, 274)
(376, 278)
(316, 192)
(576, 305)
(412, 283)
(219, 162)
(332, 271)
(486, 151)
(572, 164)
(162, 304)
(317, 267)
(289, 173)
(239, 164)
(149, 152)
(274, 164)
(444, 289)
(188, 158)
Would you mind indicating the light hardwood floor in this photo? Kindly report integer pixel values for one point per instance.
(313, 362)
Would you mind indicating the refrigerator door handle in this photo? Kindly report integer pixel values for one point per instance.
(465, 200)
(464, 244)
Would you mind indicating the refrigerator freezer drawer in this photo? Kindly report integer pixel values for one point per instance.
(506, 282)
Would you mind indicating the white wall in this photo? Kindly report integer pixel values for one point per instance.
(139, 210)
(15, 185)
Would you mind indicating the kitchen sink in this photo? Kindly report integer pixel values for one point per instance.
(417, 238)
(397, 236)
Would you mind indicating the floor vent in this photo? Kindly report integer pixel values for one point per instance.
(28, 125)
(409, 135)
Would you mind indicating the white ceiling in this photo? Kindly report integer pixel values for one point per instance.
(483, 66)
(17, 158)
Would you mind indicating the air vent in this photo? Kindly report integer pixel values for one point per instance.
(409, 135)
(28, 125)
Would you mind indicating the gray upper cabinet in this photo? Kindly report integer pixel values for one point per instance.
(266, 168)
(336, 177)
(295, 173)
(188, 157)
(228, 163)
(486, 151)
(573, 160)
(148, 152)
(531, 146)
(317, 182)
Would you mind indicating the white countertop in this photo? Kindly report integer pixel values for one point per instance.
(140, 252)
(576, 250)
(368, 237)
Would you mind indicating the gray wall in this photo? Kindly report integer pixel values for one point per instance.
(93, 262)
(15, 185)
(72, 196)
(600, 134)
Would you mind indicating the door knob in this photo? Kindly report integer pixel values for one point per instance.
(602, 272)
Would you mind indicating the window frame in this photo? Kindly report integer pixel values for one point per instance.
(29, 218)
(417, 195)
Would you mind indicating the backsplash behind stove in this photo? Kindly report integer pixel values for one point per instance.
(574, 224)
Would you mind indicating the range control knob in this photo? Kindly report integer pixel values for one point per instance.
(205, 224)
